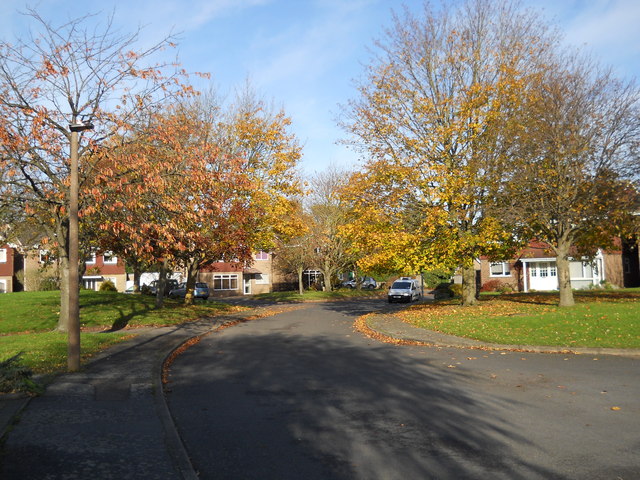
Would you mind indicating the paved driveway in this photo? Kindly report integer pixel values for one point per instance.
(302, 396)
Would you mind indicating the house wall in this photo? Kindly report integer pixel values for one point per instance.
(112, 271)
(231, 278)
(6, 268)
(36, 272)
(512, 280)
(225, 279)
(631, 263)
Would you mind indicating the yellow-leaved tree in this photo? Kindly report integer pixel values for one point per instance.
(431, 117)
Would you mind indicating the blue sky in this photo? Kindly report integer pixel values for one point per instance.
(304, 54)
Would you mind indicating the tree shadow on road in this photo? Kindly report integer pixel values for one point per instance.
(270, 404)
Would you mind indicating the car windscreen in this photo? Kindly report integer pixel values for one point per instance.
(201, 285)
(401, 285)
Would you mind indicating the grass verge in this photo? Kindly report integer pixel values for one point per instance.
(313, 295)
(28, 321)
(609, 319)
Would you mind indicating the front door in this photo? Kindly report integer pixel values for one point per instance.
(247, 284)
(543, 275)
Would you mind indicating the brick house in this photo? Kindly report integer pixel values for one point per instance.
(27, 271)
(233, 278)
(535, 269)
(103, 267)
(10, 263)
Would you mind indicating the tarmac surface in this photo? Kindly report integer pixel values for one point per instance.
(111, 421)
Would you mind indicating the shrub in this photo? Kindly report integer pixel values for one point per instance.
(48, 284)
(456, 289)
(15, 377)
(108, 286)
(491, 286)
(505, 288)
(433, 278)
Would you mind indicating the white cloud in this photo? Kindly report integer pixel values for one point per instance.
(608, 28)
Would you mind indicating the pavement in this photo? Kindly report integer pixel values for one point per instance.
(111, 421)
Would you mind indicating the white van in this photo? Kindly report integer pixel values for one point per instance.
(404, 289)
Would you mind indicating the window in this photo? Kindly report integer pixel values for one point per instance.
(534, 270)
(3, 255)
(46, 257)
(262, 279)
(225, 281)
(262, 256)
(108, 258)
(542, 269)
(91, 259)
(582, 270)
(3, 286)
(311, 276)
(500, 269)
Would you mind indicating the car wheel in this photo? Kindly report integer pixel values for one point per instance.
(390, 301)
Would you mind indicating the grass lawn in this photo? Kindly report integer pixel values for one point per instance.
(28, 320)
(311, 295)
(599, 319)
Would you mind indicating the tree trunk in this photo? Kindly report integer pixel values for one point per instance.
(326, 277)
(162, 281)
(192, 272)
(136, 278)
(564, 275)
(469, 286)
(63, 318)
(300, 282)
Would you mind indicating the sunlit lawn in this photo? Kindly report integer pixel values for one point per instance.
(311, 295)
(28, 320)
(599, 319)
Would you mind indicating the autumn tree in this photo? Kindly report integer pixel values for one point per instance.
(219, 184)
(295, 256)
(430, 119)
(67, 74)
(578, 140)
(327, 213)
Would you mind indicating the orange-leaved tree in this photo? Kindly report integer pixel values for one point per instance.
(216, 185)
(70, 74)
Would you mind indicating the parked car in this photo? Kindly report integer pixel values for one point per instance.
(201, 290)
(404, 290)
(366, 282)
(169, 285)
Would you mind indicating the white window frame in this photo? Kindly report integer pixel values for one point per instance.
(113, 260)
(261, 279)
(3, 286)
(3, 255)
(262, 256)
(506, 269)
(225, 278)
(91, 260)
(45, 256)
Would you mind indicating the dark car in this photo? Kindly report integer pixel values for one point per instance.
(201, 290)
(169, 285)
(365, 282)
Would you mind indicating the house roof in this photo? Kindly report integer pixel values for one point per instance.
(251, 271)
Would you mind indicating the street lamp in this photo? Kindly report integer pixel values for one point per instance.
(73, 343)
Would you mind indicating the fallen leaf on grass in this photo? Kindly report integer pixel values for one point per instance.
(615, 408)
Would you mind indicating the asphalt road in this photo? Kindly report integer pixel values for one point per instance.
(303, 396)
